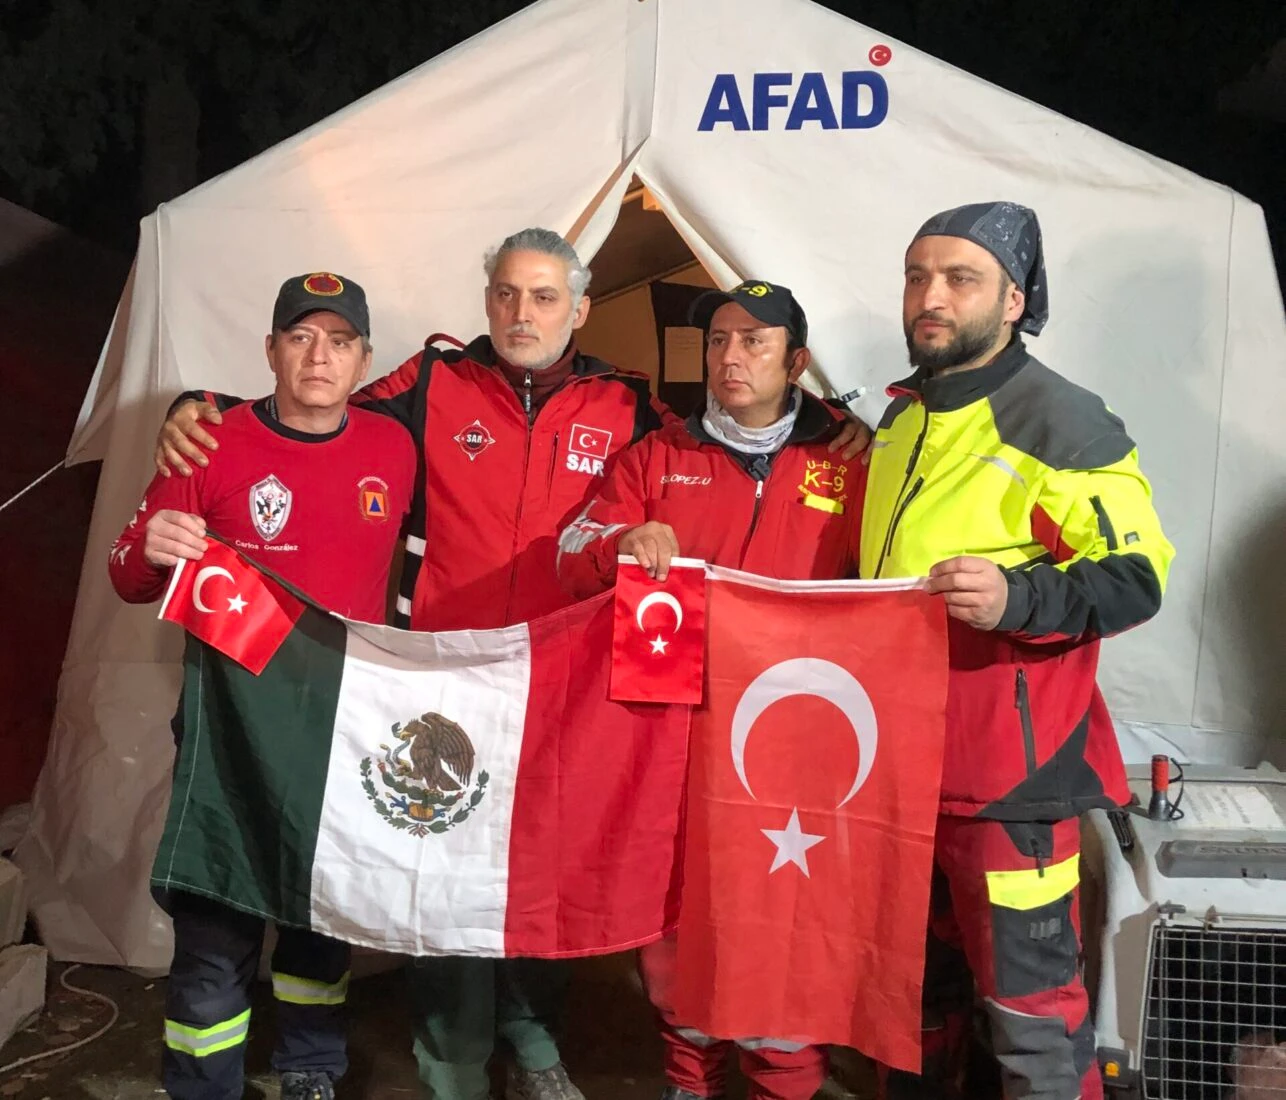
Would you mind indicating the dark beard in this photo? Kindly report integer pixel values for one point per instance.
(970, 342)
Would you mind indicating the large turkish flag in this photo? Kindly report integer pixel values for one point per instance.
(813, 796)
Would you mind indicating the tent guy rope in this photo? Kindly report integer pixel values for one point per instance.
(23, 492)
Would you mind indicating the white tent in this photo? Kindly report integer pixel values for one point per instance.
(782, 141)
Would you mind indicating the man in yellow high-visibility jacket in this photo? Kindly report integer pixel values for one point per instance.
(1020, 495)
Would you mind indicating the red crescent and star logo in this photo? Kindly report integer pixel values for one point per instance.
(880, 55)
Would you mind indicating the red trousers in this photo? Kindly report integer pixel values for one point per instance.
(1005, 921)
(777, 1069)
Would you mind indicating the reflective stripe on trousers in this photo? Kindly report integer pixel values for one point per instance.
(692, 1035)
(200, 1042)
(307, 991)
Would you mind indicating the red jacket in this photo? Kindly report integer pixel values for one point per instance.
(498, 489)
(794, 514)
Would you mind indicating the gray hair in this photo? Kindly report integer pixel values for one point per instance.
(548, 243)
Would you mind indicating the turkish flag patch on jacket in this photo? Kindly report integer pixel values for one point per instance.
(230, 605)
(659, 633)
(814, 771)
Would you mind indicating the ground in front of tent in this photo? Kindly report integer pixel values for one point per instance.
(610, 1044)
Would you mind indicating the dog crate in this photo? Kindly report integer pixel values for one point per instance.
(1188, 971)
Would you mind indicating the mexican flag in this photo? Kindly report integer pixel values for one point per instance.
(470, 793)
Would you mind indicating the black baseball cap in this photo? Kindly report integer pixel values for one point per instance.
(321, 290)
(774, 305)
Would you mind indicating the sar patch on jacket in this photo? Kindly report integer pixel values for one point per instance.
(269, 506)
(474, 439)
(587, 450)
(823, 485)
(372, 498)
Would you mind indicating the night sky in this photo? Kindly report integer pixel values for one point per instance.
(110, 106)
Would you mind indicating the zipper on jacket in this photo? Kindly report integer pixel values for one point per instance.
(522, 494)
(759, 468)
(754, 522)
(903, 501)
(553, 462)
(897, 518)
(526, 396)
(1105, 527)
(1023, 705)
(1040, 859)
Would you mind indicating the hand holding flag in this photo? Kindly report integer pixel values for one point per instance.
(230, 605)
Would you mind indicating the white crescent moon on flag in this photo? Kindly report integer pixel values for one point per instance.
(807, 676)
(665, 599)
(203, 576)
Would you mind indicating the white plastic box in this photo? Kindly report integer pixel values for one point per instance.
(1189, 971)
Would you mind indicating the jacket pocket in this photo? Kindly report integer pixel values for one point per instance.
(1022, 703)
(1033, 937)
(553, 465)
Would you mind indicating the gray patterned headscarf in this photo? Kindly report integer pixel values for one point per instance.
(1011, 233)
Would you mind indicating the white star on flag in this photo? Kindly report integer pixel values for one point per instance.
(792, 842)
(658, 644)
(236, 603)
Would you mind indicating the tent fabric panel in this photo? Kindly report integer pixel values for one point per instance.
(1240, 686)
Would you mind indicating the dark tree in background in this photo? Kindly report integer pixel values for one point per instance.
(108, 107)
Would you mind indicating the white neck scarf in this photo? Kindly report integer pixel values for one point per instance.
(752, 441)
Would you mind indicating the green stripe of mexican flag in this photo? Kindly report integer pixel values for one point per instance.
(472, 792)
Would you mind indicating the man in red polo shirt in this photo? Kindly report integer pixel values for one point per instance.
(315, 491)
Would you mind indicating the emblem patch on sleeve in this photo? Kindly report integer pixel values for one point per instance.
(372, 498)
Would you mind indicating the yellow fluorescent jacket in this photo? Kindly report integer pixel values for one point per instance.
(1014, 463)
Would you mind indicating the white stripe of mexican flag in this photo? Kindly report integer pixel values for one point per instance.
(401, 889)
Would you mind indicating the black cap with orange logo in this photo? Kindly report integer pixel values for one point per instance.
(321, 290)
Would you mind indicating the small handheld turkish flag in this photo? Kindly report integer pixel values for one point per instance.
(659, 633)
(230, 605)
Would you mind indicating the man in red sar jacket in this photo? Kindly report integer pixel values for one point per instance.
(316, 492)
(517, 430)
(748, 482)
(1019, 494)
